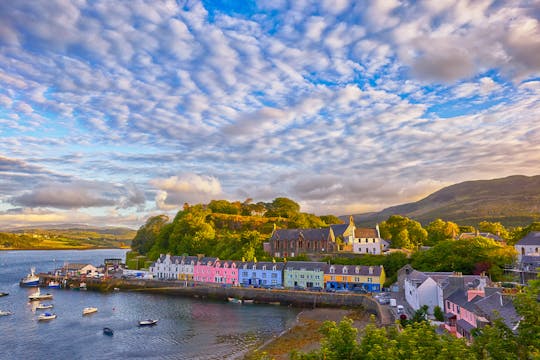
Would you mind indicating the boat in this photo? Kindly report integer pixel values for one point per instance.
(46, 316)
(53, 285)
(148, 322)
(116, 289)
(3, 294)
(248, 301)
(44, 306)
(31, 279)
(234, 300)
(82, 286)
(5, 313)
(39, 296)
(108, 331)
(89, 310)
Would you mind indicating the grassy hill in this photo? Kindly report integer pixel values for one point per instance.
(69, 238)
(513, 201)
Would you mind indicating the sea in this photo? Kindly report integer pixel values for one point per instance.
(187, 328)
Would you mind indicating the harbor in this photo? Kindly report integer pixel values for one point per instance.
(284, 297)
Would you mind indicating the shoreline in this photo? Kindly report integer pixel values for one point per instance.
(304, 335)
(62, 248)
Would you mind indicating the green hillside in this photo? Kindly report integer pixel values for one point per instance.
(73, 238)
(513, 201)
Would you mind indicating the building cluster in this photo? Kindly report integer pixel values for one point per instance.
(340, 238)
(468, 301)
(291, 274)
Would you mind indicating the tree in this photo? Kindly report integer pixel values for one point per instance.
(528, 306)
(339, 340)
(439, 230)
(403, 232)
(147, 234)
(519, 233)
(438, 313)
(496, 341)
(331, 219)
(225, 207)
(493, 227)
(282, 207)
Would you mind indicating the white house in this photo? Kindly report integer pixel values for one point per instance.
(369, 241)
(168, 267)
(420, 289)
(529, 245)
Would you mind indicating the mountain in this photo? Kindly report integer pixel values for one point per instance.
(513, 201)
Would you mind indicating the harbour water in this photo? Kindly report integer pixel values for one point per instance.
(187, 328)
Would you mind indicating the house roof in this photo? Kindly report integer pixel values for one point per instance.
(339, 229)
(465, 325)
(363, 233)
(259, 265)
(354, 270)
(306, 234)
(532, 238)
(305, 265)
(498, 305)
(472, 235)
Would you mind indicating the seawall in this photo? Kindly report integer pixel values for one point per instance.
(309, 299)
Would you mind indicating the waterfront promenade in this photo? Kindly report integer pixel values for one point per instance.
(286, 297)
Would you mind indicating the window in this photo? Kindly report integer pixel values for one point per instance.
(244, 273)
(274, 275)
(264, 267)
(264, 275)
(369, 280)
(332, 270)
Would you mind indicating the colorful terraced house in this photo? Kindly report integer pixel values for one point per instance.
(204, 270)
(265, 273)
(351, 277)
(226, 272)
(304, 274)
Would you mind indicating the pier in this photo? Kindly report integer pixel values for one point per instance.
(286, 297)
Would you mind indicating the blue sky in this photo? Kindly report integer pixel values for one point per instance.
(113, 111)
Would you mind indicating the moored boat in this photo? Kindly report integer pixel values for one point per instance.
(53, 285)
(46, 316)
(148, 322)
(5, 313)
(31, 279)
(89, 310)
(108, 331)
(44, 306)
(39, 296)
(3, 294)
(234, 300)
(247, 301)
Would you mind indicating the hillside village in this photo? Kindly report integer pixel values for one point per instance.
(459, 302)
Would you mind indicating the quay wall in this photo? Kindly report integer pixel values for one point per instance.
(287, 297)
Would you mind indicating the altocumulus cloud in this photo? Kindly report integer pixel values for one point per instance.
(191, 188)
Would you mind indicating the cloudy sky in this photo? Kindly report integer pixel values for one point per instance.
(112, 111)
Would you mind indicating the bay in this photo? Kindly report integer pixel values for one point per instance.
(187, 329)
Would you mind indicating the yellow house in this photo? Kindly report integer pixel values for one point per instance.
(350, 277)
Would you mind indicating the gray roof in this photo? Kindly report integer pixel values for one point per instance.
(206, 260)
(305, 265)
(354, 269)
(498, 305)
(530, 259)
(339, 229)
(307, 234)
(259, 265)
(460, 298)
(482, 234)
(532, 238)
(465, 325)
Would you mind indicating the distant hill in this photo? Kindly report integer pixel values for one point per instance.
(66, 237)
(513, 201)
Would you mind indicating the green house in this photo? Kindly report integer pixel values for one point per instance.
(305, 274)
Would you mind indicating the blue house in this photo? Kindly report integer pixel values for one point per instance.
(260, 273)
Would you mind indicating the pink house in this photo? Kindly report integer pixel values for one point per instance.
(204, 270)
(226, 272)
(461, 318)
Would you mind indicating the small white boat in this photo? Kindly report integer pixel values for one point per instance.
(5, 313)
(89, 310)
(53, 285)
(148, 322)
(82, 286)
(46, 316)
(248, 301)
(234, 300)
(39, 296)
(116, 289)
(44, 306)
(3, 294)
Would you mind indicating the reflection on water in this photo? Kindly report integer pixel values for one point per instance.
(187, 328)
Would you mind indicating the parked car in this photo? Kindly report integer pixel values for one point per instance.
(299, 288)
(400, 309)
(316, 288)
(384, 300)
(360, 290)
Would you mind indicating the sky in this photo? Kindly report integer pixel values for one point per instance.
(114, 111)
